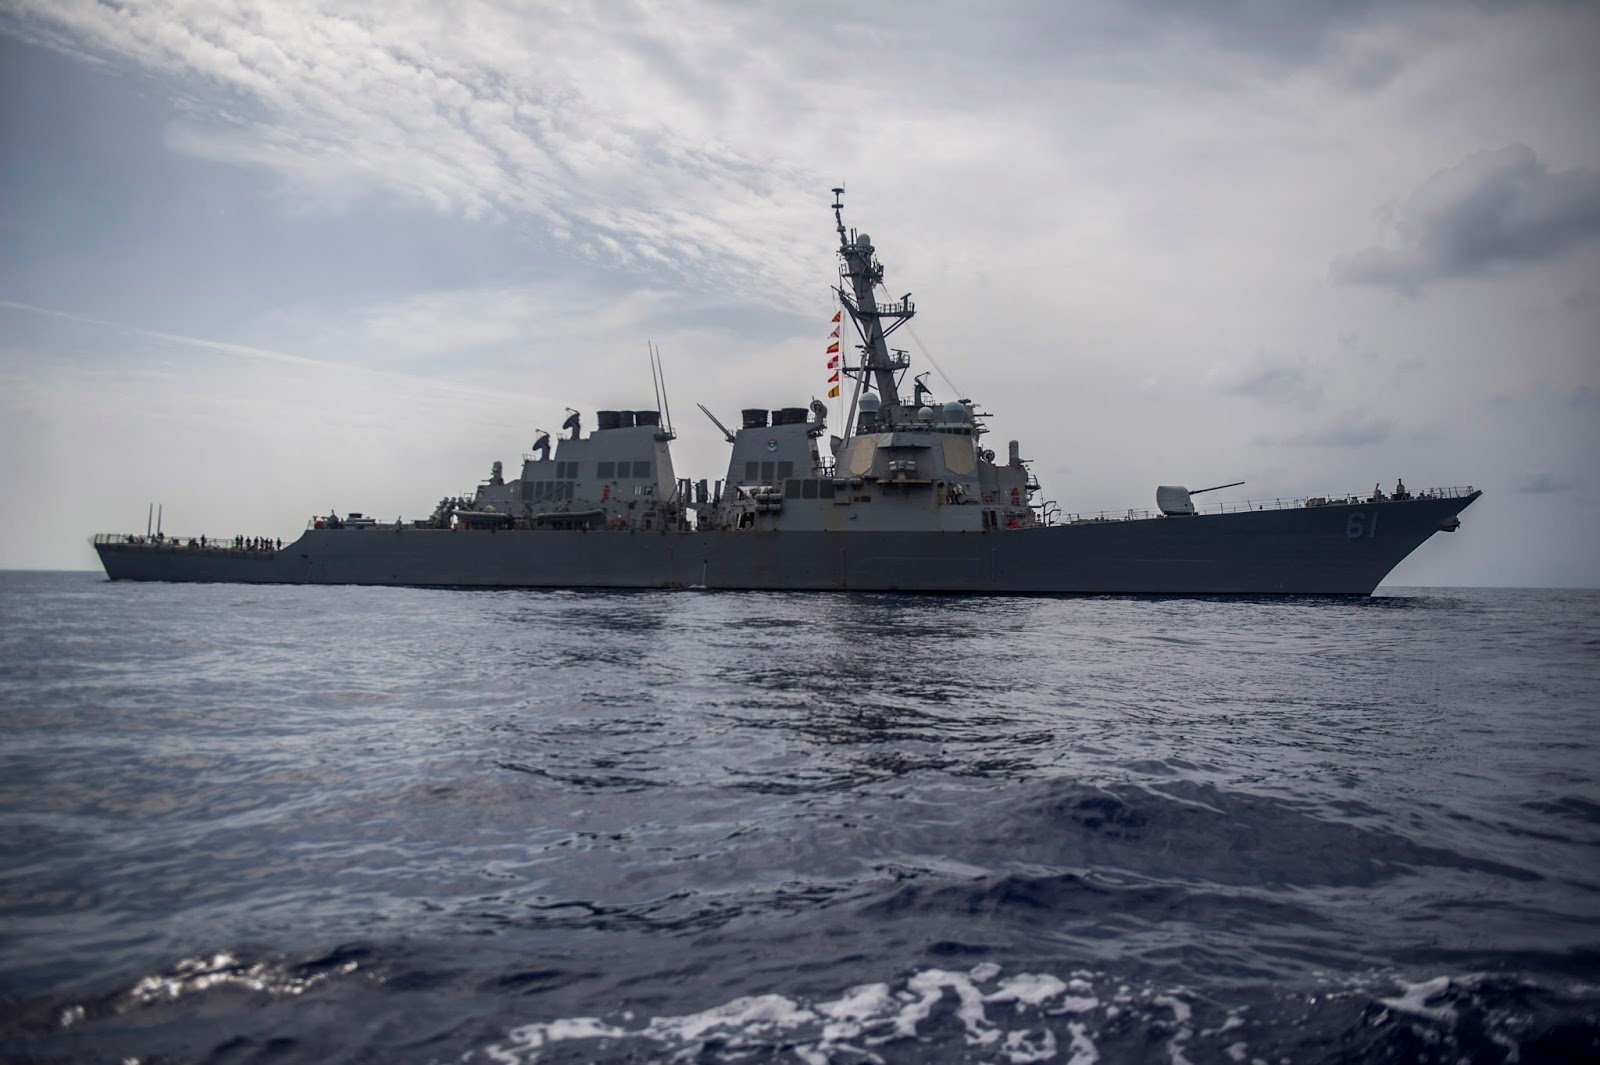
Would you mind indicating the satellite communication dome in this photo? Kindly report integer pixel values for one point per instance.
(869, 402)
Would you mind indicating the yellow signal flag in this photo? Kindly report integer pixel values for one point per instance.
(833, 393)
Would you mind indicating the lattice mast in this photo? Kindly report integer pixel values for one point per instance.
(860, 268)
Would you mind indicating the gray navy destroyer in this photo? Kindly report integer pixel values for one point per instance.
(907, 499)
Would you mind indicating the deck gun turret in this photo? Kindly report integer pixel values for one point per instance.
(1174, 501)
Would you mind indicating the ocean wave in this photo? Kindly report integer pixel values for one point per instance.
(1085, 1016)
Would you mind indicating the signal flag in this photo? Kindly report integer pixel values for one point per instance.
(833, 353)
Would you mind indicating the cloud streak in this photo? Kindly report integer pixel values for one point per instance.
(1492, 209)
(259, 354)
(479, 112)
(1349, 431)
(1278, 383)
(1539, 482)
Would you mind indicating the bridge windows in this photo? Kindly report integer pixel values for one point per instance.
(541, 490)
(808, 488)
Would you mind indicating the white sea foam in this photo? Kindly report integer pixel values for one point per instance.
(858, 1005)
(846, 1028)
(1029, 1046)
(1027, 989)
(983, 972)
(224, 970)
(1084, 1052)
(743, 1017)
(1018, 1018)
(535, 1036)
(1181, 1014)
(1180, 1009)
(1415, 1001)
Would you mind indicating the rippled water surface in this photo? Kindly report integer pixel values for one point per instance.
(313, 824)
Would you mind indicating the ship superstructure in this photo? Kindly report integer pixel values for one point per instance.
(905, 498)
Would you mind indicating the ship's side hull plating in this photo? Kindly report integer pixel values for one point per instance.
(1328, 550)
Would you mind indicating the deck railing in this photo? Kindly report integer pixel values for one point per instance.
(1296, 503)
(165, 542)
(265, 546)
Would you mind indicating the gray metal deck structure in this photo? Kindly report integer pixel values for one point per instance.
(1326, 550)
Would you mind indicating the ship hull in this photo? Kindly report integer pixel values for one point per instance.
(1326, 550)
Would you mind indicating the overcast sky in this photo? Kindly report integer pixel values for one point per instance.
(260, 260)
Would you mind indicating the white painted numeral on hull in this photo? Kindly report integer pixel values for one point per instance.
(1359, 524)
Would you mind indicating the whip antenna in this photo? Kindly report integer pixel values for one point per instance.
(666, 403)
(655, 381)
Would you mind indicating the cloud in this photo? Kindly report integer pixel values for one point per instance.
(1586, 299)
(686, 142)
(454, 325)
(481, 112)
(1492, 209)
(1350, 431)
(1288, 32)
(1538, 482)
(1278, 383)
(260, 354)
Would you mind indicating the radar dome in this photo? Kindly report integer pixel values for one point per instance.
(869, 402)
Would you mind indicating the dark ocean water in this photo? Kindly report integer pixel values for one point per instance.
(345, 824)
